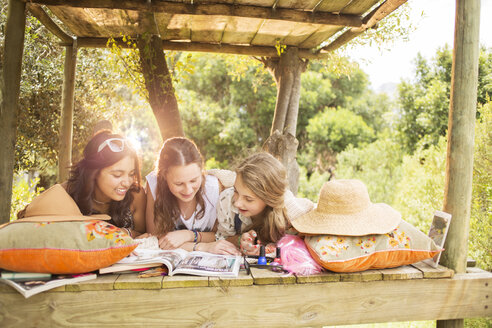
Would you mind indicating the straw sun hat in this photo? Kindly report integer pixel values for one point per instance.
(344, 208)
(55, 204)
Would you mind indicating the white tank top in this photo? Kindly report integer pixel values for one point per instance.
(210, 197)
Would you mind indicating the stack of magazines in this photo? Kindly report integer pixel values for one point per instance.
(29, 284)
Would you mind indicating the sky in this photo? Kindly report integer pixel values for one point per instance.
(434, 29)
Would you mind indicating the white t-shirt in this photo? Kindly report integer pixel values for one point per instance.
(210, 197)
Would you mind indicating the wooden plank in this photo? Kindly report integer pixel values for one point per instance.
(241, 31)
(242, 279)
(77, 21)
(207, 28)
(267, 277)
(270, 32)
(371, 275)
(320, 35)
(174, 27)
(103, 282)
(257, 306)
(430, 272)
(215, 9)
(320, 277)
(131, 281)
(402, 273)
(184, 281)
(351, 276)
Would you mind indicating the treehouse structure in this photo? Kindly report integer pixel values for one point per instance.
(284, 34)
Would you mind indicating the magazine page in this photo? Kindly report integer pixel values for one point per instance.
(208, 264)
(438, 232)
(171, 259)
(33, 287)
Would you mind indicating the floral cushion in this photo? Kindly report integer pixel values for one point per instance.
(62, 247)
(404, 245)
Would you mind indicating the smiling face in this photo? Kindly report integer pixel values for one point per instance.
(245, 200)
(113, 182)
(184, 181)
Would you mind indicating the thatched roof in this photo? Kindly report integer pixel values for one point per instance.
(252, 27)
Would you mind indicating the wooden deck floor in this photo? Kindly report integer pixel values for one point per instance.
(264, 298)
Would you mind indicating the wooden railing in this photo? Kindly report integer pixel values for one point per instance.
(262, 299)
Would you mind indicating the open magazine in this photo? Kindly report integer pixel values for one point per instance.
(179, 261)
(35, 286)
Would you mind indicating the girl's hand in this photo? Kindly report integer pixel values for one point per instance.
(219, 247)
(175, 239)
(247, 243)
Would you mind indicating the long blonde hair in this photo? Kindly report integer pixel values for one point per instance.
(266, 177)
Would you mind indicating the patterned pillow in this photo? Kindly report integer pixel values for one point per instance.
(62, 247)
(404, 245)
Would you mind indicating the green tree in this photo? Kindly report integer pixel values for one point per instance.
(424, 103)
(332, 131)
(480, 239)
(378, 165)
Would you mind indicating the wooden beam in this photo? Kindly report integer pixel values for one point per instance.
(66, 117)
(38, 12)
(178, 8)
(9, 99)
(369, 21)
(261, 51)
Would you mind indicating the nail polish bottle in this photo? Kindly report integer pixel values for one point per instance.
(262, 259)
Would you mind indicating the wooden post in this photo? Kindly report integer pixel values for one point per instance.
(282, 142)
(461, 132)
(66, 117)
(9, 100)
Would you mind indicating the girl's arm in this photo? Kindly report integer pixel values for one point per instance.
(138, 206)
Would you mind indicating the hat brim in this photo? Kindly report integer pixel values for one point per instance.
(376, 219)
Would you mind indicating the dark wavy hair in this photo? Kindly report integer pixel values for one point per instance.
(81, 183)
(176, 151)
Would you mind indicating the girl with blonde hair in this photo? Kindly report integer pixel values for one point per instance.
(258, 206)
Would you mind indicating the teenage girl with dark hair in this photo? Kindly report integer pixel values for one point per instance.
(181, 200)
(107, 181)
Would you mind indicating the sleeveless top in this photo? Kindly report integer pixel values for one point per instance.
(210, 198)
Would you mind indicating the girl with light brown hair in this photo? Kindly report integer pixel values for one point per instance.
(182, 199)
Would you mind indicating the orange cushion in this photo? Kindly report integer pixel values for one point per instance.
(62, 247)
(404, 245)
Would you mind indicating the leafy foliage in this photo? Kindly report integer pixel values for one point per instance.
(480, 239)
(424, 104)
(378, 165)
(23, 191)
(332, 131)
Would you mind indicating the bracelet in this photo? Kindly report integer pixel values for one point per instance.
(195, 246)
(196, 236)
